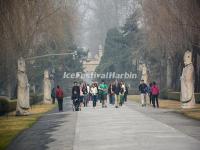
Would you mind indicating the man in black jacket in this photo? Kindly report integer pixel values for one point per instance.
(117, 89)
(143, 91)
(75, 94)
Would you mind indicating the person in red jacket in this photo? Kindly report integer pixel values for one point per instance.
(155, 92)
(59, 96)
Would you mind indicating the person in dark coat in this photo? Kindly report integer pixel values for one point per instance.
(117, 89)
(143, 91)
(111, 93)
(126, 93)
(53, 95)
(59, 96)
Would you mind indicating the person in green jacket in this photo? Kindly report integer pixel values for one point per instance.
(103, 88)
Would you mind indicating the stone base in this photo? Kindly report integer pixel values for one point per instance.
(47, 101)
(189, 105)
(22, 113)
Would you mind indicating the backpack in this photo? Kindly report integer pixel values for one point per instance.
(59, 93)
(155, 90)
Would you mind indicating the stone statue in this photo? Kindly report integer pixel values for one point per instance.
(187, 82)
(144, 73)
(47, 88)
(23, 103)
(169, 73)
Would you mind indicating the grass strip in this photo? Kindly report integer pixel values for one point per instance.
(11, 125)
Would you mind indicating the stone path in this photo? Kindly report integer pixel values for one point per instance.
(130, 127)
(54, 131)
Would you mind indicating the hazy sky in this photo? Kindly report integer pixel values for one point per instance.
(97, 17)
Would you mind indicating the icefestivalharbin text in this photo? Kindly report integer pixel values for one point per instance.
(94, 75)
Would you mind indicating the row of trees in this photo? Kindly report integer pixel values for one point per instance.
(157, 33)
(30, 28)
(171, 28)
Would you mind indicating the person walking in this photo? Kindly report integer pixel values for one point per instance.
(59, 96)
(126, 93)
(121, 93)
(103, 93)
(85, 94)
(94, 92)
(81, 94)
(53, 95)
(116, 89)
(89, 94)
(150, 93)
(155, 92)
(96, 85)
(111, 94)
(142, 89)
(76, 95)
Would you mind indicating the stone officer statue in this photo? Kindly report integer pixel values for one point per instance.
(144, 73)
(187, 82)
(23, 103)
(47, 88)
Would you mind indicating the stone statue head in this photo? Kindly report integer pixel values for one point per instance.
(21, 64)
(187, 57)
(46, 74)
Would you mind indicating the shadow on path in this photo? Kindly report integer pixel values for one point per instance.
(41, 134)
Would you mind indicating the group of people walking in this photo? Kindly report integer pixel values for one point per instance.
(116, 92)
(152, 91)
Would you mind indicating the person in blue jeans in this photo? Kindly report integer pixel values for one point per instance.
(111, 94)
(94, 92)
(142, 89)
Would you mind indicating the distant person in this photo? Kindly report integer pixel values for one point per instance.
(155, 92)
(116, 89)
(53, 95)
(85, 94)
(59, 96)
(89, 94)
(142, 89)
(111, 94)
(76, 96)
(149, 92)
(126, 93)
(94, 92)
(103, 93)
(96, 85)
(81, 94)
(75, 91)
(121, 93)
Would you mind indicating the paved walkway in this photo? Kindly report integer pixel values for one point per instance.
(54, 131)
(128, 128)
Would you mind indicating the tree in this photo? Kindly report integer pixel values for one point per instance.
(30, 28)
(122, 47)
(172, 27)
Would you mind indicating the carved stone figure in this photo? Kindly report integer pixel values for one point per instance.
(187, 82)
(23, 103)
(169, 73)
(47, 88)
(144, 73)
